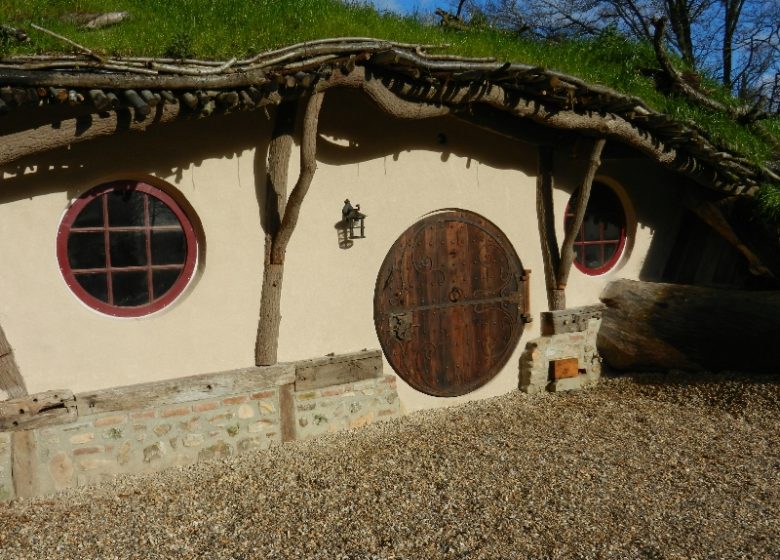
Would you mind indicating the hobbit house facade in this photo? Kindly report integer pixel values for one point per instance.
(205, 259)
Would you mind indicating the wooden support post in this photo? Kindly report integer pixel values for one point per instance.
(567, 249)
(270, 300)
(11, 381)
(287, 417)
(545, 214)
(279, 152)
(24, 461)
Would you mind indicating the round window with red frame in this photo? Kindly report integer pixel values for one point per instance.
(602, 237)
(126, 248)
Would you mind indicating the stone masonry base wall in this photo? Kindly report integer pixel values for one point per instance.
(539, 353)
(85, 447)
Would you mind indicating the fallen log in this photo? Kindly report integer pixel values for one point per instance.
(653, 326)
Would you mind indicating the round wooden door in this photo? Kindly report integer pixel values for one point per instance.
(449, 303)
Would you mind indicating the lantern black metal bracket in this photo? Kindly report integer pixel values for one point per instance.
(354, 219)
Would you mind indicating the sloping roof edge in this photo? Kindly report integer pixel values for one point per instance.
(153, 90)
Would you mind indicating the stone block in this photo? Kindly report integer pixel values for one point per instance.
(251, 443)
(220, 450)
(61, 471)
(113, 420)
(568, 384)
(205, 406)
(113, 434)
(87, 451)
(266, 408)
(220, 419)
(362, 420)
(162, 429)
(96, 464)
(123, 456)
(191, 425)
(79, 439)
(245, 412)
(193, 440)
(259, 426)
(154, 452)
(178, 411)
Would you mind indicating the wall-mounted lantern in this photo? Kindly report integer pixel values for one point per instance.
(354, 220)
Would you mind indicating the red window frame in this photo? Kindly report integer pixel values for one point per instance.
(187, 268)
(581, 242)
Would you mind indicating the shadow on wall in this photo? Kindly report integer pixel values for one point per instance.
(164, 151)
(355, 130)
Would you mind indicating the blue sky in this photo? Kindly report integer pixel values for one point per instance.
(409, 6)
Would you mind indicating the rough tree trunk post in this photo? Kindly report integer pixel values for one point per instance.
(270, 299)
(567, 249)
(545, 215)
(11, 381)
(279, 152)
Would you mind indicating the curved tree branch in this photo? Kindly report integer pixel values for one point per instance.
(743, 114)
(308, 167)
(583, 196)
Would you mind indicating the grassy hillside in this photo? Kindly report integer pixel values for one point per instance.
(221, 29)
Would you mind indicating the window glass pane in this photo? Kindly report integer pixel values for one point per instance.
(130, 288)
(168, 247)
(593, 256)
(96, 285)
(128, 248)
(592, 227)
(125, 208)
(612, 231)
(86, 250)
(163, 280)
(609, 251)
(91, 215)
(160, 214)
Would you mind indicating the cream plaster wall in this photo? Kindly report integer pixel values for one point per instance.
(328, 291)
(58, 341)
(398, 171)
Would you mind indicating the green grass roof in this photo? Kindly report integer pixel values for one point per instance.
(222, 29)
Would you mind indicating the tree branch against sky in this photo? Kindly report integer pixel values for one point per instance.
(736, 42)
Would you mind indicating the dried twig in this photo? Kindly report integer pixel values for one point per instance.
(82, 48)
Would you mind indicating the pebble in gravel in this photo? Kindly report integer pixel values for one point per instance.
(643, 466)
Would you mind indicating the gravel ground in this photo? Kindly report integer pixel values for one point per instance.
(644, 466)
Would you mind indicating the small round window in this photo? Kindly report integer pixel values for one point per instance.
(126, 248)
(602, 237)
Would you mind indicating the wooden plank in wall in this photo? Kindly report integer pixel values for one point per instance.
(287, 412)
(185, 389)
(38, 410)
(24, 462)
(574, 319)
(336, 370)
(11, 380)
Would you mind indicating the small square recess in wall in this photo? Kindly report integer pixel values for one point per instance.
(564, 368)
